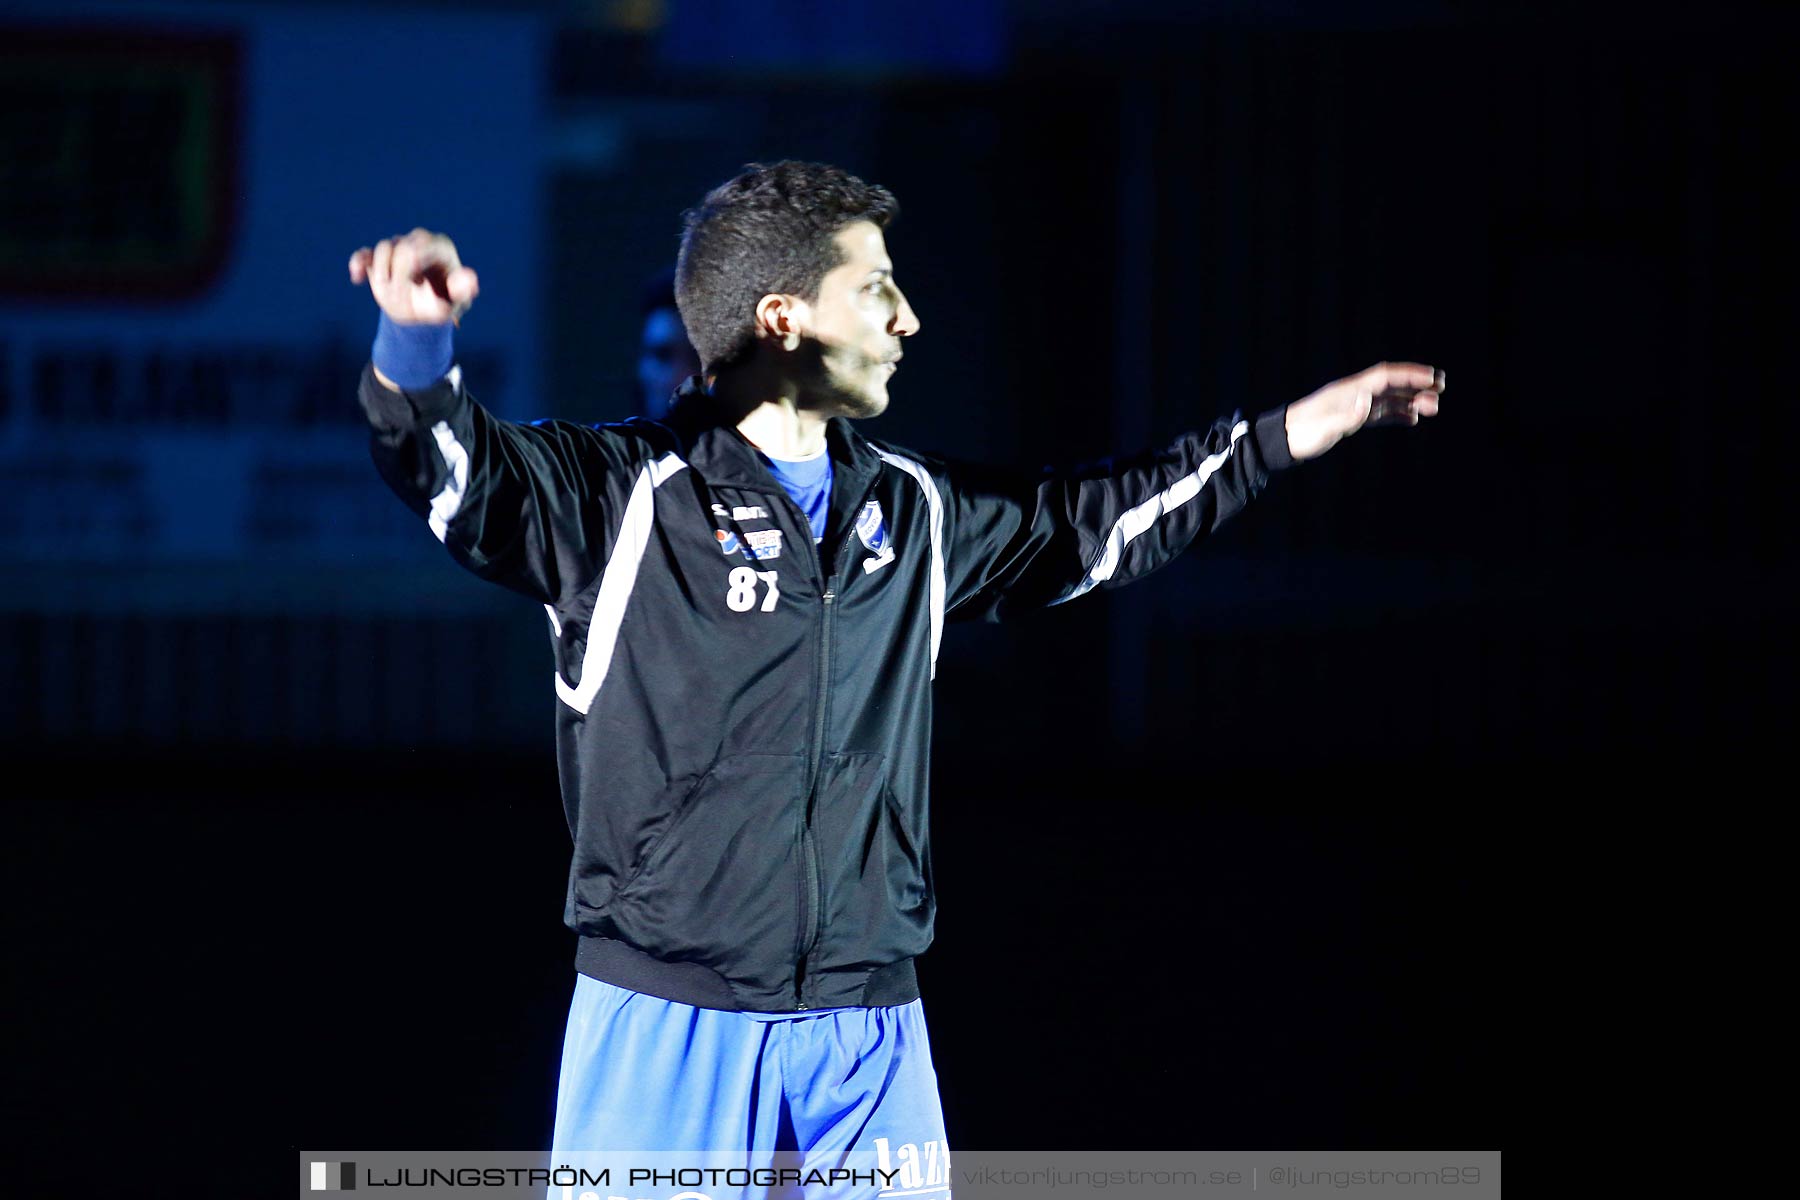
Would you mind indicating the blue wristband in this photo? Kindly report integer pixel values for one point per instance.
(413, 356)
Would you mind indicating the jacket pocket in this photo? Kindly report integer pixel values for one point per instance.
(719, 885)
(908, 867)
(684, 807)
(875, 872)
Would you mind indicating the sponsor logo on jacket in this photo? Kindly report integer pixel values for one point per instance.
(756, 545)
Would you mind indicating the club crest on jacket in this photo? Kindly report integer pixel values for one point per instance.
(872, 530)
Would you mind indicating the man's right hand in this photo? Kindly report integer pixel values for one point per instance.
(416, 278)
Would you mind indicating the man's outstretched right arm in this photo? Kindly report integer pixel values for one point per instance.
(522, 505)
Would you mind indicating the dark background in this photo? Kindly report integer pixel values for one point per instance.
(1278, 849)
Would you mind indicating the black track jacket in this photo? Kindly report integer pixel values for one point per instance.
(744, 717)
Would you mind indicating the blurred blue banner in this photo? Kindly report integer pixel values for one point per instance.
(179, 342)
(828, 37)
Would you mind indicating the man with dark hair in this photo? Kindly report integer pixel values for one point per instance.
(746, 601)
(770, 230)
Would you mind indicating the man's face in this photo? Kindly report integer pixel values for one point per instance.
(857, 323)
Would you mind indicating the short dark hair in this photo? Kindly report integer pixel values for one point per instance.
(767, 231)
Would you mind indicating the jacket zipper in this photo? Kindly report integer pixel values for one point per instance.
(809, 852)
(809, 848)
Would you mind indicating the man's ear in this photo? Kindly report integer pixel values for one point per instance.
(782, 319)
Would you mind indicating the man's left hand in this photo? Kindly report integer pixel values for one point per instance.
(1401, 392)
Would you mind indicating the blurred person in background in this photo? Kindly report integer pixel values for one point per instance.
(665, 356)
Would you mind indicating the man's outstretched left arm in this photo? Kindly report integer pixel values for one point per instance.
(1014, 541)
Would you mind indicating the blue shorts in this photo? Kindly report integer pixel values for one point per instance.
(834, 1086)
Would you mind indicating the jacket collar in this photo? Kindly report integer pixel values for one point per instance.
(711, 445)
